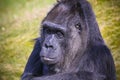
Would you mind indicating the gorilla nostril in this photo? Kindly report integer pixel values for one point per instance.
(48, 46)
(51, 46)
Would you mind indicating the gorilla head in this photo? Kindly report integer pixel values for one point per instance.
(64, 35)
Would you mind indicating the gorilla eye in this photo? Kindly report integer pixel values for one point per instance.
(59, 34)
(78, 26)
(48, 31)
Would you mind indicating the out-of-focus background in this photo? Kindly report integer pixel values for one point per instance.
(20, 24)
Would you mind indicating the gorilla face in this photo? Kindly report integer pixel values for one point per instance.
(52, 47)
(62, 35)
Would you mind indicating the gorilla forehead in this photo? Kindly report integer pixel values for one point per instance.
(61, 14)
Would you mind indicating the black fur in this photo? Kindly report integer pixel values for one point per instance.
(71, 46)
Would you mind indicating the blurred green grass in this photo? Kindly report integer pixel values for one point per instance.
(20, 23)
(108, 17)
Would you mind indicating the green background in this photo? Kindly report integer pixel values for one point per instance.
(20, 24)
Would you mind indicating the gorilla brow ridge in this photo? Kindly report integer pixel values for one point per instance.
(53, 26)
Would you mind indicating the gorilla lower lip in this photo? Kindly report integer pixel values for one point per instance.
(47, 59)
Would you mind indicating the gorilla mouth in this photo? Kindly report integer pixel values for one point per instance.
(48, 60)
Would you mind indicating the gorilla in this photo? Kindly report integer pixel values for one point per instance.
(70, 47)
